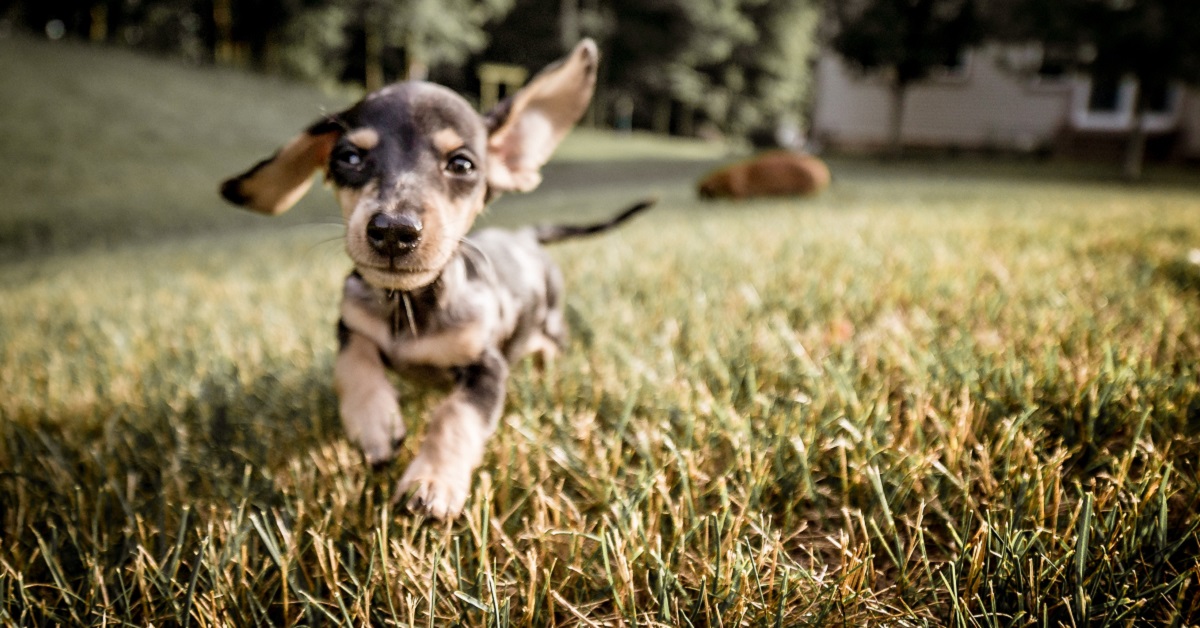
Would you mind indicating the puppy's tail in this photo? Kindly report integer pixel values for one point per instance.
(547, 234)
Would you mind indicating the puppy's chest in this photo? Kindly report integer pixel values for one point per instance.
(423, 331)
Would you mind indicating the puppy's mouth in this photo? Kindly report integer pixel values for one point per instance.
(397, 277)
(397, 274)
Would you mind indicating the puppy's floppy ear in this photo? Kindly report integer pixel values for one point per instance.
(524, 130)
(274, 184)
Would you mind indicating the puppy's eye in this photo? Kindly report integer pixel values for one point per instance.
(460, 165)
(348, 158)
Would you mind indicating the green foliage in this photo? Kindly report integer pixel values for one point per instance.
(742, 63)
(906, 39)
(310, 39)
(1153, 40)
(657, 48)
(774, 65)
(436, 31)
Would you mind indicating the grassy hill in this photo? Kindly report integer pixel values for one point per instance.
(941, 394)
(104, 146)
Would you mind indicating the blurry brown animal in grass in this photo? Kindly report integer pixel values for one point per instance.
(775, 173)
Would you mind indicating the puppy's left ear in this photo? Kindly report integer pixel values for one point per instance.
(524, 130)
(274, 184)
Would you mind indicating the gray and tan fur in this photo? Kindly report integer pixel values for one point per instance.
(412, 166)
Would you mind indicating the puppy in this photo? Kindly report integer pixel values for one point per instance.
(412, 165)
(774, 173)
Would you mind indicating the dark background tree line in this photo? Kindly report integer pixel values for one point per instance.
(734, 66)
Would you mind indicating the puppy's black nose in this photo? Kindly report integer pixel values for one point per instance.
(393, 235)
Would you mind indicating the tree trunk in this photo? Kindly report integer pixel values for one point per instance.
(1135, 144)
(373, 59)
(687, 121)
(662, 116)
(98, 32)
(895, 145)
(223, 22)
(415, 68)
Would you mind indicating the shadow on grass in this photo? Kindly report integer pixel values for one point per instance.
(95, 489)
(214, 438)
(1182, 273)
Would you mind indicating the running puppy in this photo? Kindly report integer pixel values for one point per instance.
(412, 165)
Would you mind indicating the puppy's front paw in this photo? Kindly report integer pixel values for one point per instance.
(435, 491)
(373, 422)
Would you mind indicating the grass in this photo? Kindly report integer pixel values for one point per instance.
(943, 393)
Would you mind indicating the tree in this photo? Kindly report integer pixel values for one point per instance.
(660, 50)
(429, 31)
(905, 40)
(1152, 41)
(531, 34)
(742, 64)
(310, 39)
(774, 67)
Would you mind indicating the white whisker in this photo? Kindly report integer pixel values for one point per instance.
(470, 247)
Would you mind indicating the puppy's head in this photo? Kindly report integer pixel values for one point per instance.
(412, 165)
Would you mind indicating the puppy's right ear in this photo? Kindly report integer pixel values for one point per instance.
(274, 184)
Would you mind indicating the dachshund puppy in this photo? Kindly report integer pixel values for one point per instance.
(412, 165)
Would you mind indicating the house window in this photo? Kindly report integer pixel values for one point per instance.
(1105, 96)
(1104, 104)
(1158, 97)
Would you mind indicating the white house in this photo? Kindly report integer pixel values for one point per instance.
(998, 97)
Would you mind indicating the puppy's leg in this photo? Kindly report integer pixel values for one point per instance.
(439, 478)
(367, 400)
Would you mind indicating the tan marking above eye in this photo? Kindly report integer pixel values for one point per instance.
(351, 198)
(447, 140)
(364, 138)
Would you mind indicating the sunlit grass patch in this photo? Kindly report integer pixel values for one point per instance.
(921, 401)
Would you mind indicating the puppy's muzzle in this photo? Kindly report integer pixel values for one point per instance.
(393, 235)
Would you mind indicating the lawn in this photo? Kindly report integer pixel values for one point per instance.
(945, 393)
